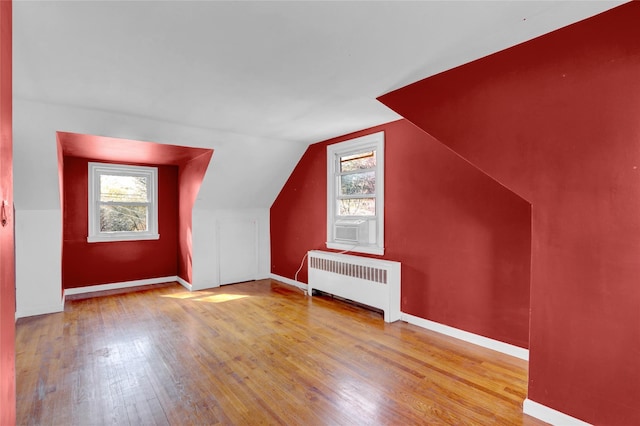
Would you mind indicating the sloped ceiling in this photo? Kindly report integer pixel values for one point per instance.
(298, 72)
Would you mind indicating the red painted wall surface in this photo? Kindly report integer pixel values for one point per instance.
(557, 119)
(190, 177)
(191, 163)
(463, 239)
(7, 268)
(85, 264)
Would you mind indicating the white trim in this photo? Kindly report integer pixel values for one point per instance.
(203, 286)
(217, 243)
(50, 309)
(185, 284)
(41, 310)
(117, 286)
(371, 141)
(346, 248)
(289, 281)
(256, 241)
(476, 339)
(127, 237)
(549, 415)
(94, 234)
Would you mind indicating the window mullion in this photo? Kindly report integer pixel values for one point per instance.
(355, 197)
(358, 171)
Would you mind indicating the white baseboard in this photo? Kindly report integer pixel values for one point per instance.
(120, 285)
(53, 308)
(476, 339)
(206, 285)
(550, 415)
(184, 284)
(40, 310)
(289, 281)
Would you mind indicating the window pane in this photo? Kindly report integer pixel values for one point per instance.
(123, 188)
(115, 218)
(358, 184)
(357, 207)
(360, 161)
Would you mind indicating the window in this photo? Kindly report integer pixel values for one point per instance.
(122, 203)
(355, 195)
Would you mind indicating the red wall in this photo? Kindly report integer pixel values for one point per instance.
(85, 264)
(191, 163)
(557, 119)
(463, 240)
(190, 176)
(7, 268)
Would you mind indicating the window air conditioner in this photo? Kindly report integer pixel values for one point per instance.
(355, 231)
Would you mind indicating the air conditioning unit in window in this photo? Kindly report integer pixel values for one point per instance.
(355, 231)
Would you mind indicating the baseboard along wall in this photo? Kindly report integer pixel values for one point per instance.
(121, 285)
(549, 415)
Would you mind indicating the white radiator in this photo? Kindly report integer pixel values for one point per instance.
(372, 282)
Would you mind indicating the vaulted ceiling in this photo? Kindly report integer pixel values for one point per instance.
(274, 71)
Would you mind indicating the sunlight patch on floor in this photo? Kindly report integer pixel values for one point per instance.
(219, 298)
(210, 297)
(184, 295)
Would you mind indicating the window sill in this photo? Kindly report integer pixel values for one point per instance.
(114, 238)
(356, 249)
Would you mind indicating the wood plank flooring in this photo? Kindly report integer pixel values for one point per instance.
(252, 353)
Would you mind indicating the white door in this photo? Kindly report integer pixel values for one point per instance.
(237, 250)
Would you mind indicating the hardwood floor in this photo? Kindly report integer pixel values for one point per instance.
(252, 353)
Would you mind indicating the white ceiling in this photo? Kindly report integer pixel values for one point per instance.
(295, 71)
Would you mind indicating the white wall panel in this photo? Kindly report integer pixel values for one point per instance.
(38, 262)
(225, 241)
(238, 249)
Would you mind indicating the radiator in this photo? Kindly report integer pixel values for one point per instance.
(372, 282)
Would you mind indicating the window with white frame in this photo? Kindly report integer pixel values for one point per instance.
(122, 202)
(355, 195)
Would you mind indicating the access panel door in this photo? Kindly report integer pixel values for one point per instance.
(237, 249)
